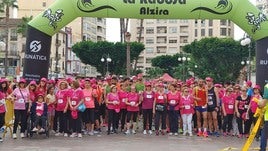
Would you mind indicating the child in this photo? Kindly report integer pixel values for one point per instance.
(39, 113)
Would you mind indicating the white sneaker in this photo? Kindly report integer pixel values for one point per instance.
(91, 133)
(127, 132)
(150, 132)
(144, 132)
(170, 134)
(34, 129)
(184, 133)
(65, 135)
(1, 139)
(58, 134)
(72, 136)
(52, 131)
(14, 136)
(133, 132)
(22, 135)
(176, 134)
(79, 135)
(85, 132)
(42, 130)
(190, 134)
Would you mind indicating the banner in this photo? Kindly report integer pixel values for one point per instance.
(262, 62)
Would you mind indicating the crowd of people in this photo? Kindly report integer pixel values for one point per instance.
(82, 106)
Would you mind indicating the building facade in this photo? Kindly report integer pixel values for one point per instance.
(167, 37)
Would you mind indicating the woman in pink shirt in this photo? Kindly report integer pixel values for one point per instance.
(228, 106)
(123, 94)
(133, 102)
(187, 110)
(173, 100)
(3, 94)
(74, 100)
(89, 100)
(42, 87)
(159, 109)
(20, 96)
(113, 106)
(147, 99)
(61, 109)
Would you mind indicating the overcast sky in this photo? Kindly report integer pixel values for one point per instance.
(113, 29)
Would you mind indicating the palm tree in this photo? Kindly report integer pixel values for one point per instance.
(5, 5)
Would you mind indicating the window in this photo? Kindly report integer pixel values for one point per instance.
(172, 41)
(183, 21)
(149, 21)
(161, 49)
(195, 32)
(210, 23)
(161, 30)
(223, 32)
(149, 30)
(161, 40)
(210, 32)
(223, 22)
(149, 50)
(203, 23)
(173, 21)
(183, 29)
(149, 60)
(172, 50)
(203, 32)
(172, 30)
(13, 35)
(149, 40)
(183, 39)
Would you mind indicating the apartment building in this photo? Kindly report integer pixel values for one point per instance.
(162, 37)
(62, 61)
(262, 5)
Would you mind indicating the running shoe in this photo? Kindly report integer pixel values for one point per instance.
(150, 132)
(170, 134)
(14, 136)
(176, 134)
(127, 132)
(144, 132)
(133, 132)
(35, 129)
(224, 134)
(184, 133)
(79, 135)
(73, 135)
(205, 134)
(58, 134)
(199, 133)
(22, 135)
(65, 135)
(217, 134)
(157, 133)
(190, 134)
(239, 135)
(91, 133)
(1, 139)
(163, 132)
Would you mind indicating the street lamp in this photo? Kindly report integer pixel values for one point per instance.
(183, 59)
(108, 60)
(246, 42)
(127, 38)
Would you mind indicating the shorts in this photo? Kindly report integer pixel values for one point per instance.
(211, 109)
(97, 115)
(89, 115)
(200, 109)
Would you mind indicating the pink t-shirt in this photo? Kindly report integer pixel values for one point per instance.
(160, 98)
(173, 100)
(187, 104)
(253, 103)
(123, 95)
(148, 100)
(113, 98)
(76, 96)
(32, 96)
(21, 97)
(133, 99)
(61, 99)
(229, 103)
(2, 102)
(39, 108)
(88, 96)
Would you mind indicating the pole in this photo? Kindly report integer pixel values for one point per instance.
(107, 67)
(7, 41)
(249, 63)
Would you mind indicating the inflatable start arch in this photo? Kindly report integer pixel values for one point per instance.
(62, 12)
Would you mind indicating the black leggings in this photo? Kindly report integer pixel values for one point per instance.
(2, 119)
(77, 123)
(134, 115)
(162, 115)
(247, 124)
(227, 122)
(112, 119)
(62, 118)
(147, 117)
(20, 116)
(173, 120)
(123, 115)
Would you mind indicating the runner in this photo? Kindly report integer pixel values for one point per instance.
(3, 95)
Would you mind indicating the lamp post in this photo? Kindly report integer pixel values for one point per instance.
(127, 38)
(108, 60)
(183, 59)
(244, 42)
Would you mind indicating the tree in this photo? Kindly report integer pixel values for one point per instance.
(23, 27)
(154, 72)
(217, 58)
(5, 5)
(91, 53)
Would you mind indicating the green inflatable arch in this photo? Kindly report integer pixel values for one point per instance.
(62, 12)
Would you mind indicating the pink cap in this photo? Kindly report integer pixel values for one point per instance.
(209, 79)
(69, 80)
(32, 83)
(249, 83)
(93, 81)
(87, 79)
(257, 87)
(22, 80)
(43, 79)
(218, 85)
(160, 85)
(148, 84)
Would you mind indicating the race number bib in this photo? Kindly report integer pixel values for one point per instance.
(160, 97)
(210, 102)
(87, 99)
(60, 101)
(187, 107)
(231, 106)
(124, 100)
(172, 102)
(73, 102)
(21, 101)
(2, 101)
(246, 106)
(132, 103)
(149, 96)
